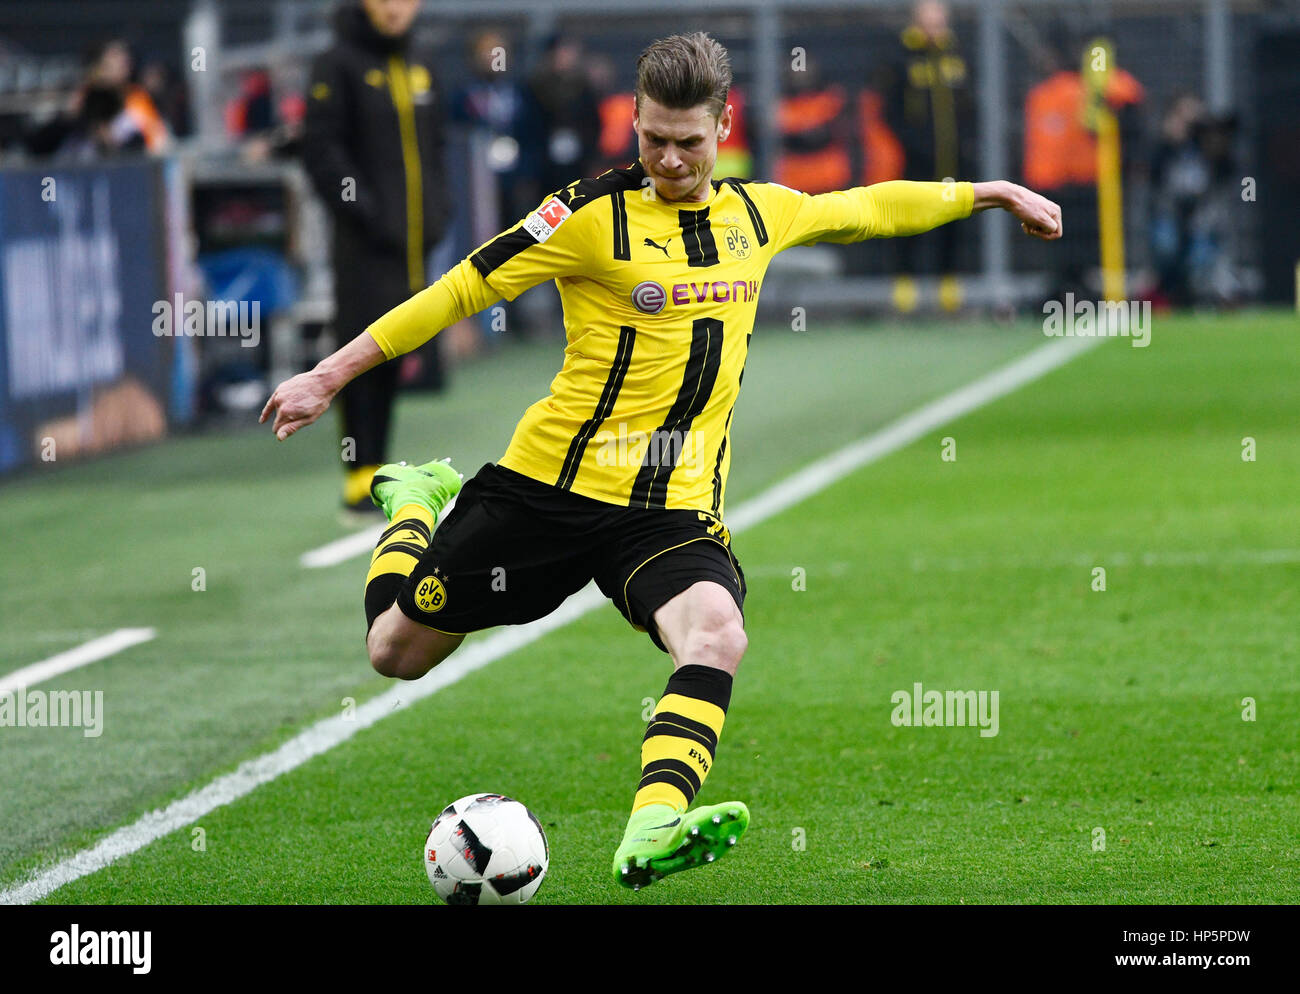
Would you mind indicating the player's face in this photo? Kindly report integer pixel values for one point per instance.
(391, 17)
(679, 147)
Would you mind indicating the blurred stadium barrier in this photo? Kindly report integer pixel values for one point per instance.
(86, 253)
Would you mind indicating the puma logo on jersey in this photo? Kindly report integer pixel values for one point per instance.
(662, 248)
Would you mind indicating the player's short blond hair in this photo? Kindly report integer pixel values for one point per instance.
(684, 71)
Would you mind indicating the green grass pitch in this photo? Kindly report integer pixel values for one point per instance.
(1119, 710)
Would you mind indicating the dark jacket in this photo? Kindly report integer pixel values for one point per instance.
(373, 145)
(929, 106)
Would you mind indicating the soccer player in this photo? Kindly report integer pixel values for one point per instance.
(619, 475)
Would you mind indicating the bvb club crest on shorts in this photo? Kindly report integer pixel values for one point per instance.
(430, 595)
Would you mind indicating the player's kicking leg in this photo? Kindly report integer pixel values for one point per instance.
(703, 630)
(412, 498)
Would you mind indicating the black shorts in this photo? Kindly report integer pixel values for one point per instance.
(513, 548)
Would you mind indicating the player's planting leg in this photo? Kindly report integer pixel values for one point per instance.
(703, 631)
(412, 498)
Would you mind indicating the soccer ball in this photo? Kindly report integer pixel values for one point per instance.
(486, 849)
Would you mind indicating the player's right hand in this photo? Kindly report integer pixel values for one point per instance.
(297, 402)
(1037, 215)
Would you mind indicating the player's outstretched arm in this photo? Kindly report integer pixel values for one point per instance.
(301, 399)
(898, 208)
(1037, 215)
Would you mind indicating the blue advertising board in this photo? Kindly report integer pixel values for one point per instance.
(85, 252)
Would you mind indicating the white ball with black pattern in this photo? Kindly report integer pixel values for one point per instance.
(486, 849)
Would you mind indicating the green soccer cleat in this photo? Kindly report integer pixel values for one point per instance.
(661, 840)
(432, 485)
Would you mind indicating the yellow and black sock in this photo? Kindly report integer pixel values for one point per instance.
(399, 550)
(682, 737)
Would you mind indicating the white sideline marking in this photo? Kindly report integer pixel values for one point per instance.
(46, 669)
(827, 470)
(351, 546)
(330, 732)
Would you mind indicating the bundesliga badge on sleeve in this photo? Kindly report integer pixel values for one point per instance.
(541, 224)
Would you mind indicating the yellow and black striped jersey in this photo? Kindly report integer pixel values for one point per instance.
(659, 301)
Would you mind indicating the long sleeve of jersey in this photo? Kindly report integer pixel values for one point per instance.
(552, 242)
(883, 210)
(460, 293)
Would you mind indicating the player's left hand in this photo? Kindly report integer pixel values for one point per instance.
(1038, 216)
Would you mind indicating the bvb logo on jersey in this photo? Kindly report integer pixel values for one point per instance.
(737, 242)
(430, 595)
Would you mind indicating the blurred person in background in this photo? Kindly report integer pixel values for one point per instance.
(500, 108)
(1194, 186)
(251, 111)
(266, 127)
(507, 148)
(814, 126)
(617, 144)
(1061, 153)
(373, 145)
(111, 66)
(570, 112)
(927, 98)
(566, 107)
(106, 115)
(881, 153)
(1179, 178)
